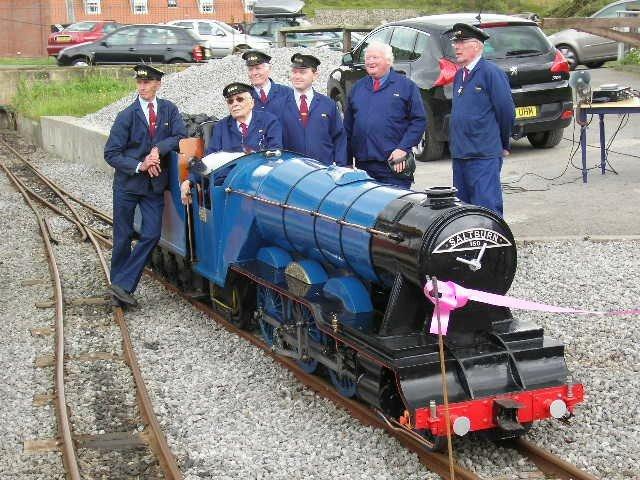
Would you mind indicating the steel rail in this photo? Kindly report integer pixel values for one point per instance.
(64, 424)
(157, 440)
(99, 213)
(550, 464)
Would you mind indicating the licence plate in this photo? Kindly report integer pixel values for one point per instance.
(527, 112)
(66, 39)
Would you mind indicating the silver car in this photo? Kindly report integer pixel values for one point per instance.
(581, 48)
(221, 38)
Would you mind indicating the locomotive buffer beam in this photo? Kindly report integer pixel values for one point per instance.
(306, 348)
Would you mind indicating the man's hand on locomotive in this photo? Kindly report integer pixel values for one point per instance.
(396, 160)
(151, 163)
(185, 192)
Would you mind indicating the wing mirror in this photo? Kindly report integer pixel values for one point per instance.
(347, 59)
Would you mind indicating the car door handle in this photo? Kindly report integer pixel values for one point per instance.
(132, 49)
(169, 49)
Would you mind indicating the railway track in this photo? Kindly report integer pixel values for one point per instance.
(151, 439)
(549, 464)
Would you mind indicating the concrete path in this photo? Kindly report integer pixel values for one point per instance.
(607, 206)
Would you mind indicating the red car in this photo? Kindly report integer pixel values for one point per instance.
(78, 33)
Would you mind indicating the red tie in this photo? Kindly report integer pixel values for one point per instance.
(152, 120)
(263, 96)
(465, 74)
(304, 110)
(245, 130)
(376, 84)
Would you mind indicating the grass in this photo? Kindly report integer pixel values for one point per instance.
(76, 97)
(439, 6)
(8, 61)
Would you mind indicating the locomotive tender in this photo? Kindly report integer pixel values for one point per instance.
(331, 266)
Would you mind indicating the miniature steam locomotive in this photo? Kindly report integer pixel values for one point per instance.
(330, 266)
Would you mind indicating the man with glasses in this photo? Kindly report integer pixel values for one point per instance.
(267, 94)
(139, 143)
(482, 116)
(384, 119)
(312, 124)
(243, 130)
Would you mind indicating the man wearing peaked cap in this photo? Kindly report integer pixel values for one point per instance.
(140, 141)
(482, 117)
(267, 94)
(462, 31)
(243, 130)
(147, 72)
(311, 122)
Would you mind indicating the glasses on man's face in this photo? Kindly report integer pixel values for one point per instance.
(232, 100)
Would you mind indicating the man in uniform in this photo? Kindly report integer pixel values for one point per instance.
(267, 94)
(384, 119)
(310, 121)
(141, 138)
(243, 130)
(482, 116)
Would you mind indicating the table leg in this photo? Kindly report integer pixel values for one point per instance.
(603, 148)
(583, 142)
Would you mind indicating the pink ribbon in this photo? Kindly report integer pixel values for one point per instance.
(454, 296)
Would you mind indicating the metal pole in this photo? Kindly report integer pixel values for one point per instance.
(447, 418)
(71, 14)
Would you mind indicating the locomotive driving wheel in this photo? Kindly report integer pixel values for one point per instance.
(275, 305)
(302, 314)
(236, 300)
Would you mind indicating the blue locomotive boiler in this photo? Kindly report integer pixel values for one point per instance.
(330, 266)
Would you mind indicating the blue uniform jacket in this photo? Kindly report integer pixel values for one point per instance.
(129, 142)
(379, 122)
(323, 138)
(265, 133)
(482, 114)
(278, 94)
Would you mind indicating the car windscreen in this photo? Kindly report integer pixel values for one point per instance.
(81, 27)
(508, 41)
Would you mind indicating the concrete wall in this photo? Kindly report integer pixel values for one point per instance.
(69, 138)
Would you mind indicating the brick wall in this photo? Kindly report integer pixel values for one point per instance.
(25, 25)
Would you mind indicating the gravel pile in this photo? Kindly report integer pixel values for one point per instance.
(198, 89)
(229, 411)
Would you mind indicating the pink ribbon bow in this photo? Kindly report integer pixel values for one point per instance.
(454, 296)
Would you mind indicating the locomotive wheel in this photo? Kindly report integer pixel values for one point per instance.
(345, 386)
(301, 313)
(242, 303)
(437, 444)
(273, 304)
(156, 261)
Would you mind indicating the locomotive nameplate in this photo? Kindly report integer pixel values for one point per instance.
(472, 239)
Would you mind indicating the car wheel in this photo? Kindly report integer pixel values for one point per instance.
(178, 60)
(547, 139)
(340, 102)
(595, 64)
(80, 62)
(429, 148)
(239, 49)
(570, 55)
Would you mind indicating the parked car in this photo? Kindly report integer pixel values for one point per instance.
(268, 28)
(538, 73)
(581, 48)
(79, 33)
(221, 38)
(139, 43)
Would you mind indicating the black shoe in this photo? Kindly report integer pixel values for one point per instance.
(123, 296)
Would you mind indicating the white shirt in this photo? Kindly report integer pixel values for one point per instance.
(308, 93)
(145, 109)
(473, 63)
(247, 122)
(266, 87)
